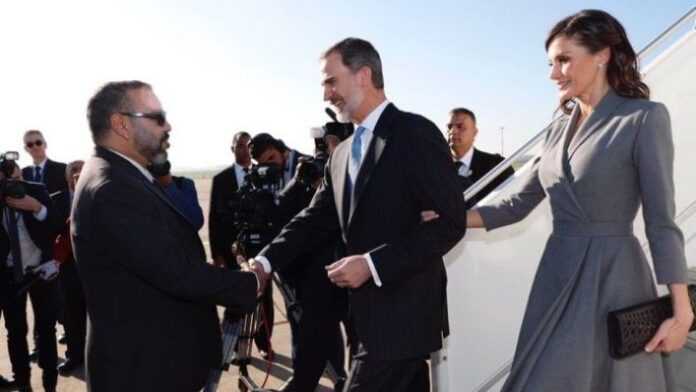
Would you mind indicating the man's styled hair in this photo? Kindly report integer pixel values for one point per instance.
(111, 98)
(262, 142)
(457, 111)
(357, 53)
(34, 132)
(238, 136)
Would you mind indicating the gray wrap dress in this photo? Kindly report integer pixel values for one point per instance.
(620, 158)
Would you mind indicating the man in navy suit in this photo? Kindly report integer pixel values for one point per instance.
(377, 182)
(43, 170)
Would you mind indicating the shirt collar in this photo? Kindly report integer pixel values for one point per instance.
(467, 158)
(370, 121)
(138, 166)
(42, 165)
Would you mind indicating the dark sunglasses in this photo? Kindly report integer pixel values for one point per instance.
(37, 143)
(159, 117)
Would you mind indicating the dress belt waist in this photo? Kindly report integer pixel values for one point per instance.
(592, 229)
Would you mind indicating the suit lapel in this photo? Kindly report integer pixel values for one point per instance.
(599, 116)
(339, 173)
(374, 153)
(133, 171)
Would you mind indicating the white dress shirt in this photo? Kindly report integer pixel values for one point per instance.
(31, 254)
(466, 159)
(240, 174)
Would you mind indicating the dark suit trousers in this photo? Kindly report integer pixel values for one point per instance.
(370, 375)
(317, 337)
(75, 311)
(265, 331)
(43, 296)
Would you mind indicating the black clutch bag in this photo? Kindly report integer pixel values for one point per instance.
(631, 328)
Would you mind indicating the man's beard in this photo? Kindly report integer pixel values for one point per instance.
(151, 148)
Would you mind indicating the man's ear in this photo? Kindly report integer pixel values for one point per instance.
(119, 125)
(365, 76)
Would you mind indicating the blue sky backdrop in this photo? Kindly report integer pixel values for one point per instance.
(223, 66)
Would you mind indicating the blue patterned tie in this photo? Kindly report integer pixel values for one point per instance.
(37, 174)
(356, 152)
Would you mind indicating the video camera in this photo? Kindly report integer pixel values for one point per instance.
(254, 207)
(314, 168)
(10, 187)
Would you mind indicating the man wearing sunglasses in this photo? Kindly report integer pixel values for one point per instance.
(43, 170)
(151, 295)
(52, 175)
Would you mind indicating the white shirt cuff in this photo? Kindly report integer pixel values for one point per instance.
(265, 263)
(41, 215)
(373, 270)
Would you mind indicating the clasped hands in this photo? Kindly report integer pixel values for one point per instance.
(351, 272)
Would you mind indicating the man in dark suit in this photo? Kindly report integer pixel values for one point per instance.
(472, 163)
(221, 229)
(51, 174)
(27, 246)
(151, 295)
(44, 170)
(377, 182)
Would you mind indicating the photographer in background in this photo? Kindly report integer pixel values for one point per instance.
(222, 231)
(180, 190)
(316, 335)
(269, 151)
(27, 266)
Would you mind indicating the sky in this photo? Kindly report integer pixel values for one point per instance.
(223, 66)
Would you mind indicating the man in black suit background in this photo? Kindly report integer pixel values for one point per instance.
(221, 229)
(43, 170)
(377, 182)
(472, 163)
(51, 174)
(150, 293)
(27, 246)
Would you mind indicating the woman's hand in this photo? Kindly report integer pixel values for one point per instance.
(673, 332)
(671, 336)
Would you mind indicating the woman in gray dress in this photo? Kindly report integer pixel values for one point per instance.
(611, 152)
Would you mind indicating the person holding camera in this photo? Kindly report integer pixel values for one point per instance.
(269, 151)
(316, 335)
(151, 295)
(27, 268)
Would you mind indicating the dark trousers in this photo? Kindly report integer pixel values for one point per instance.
(75, 311)
(265, 331)
(371, 375)
(44, 296)
(316, 336)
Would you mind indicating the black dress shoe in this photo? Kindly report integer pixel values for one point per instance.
(63, 339)
(34, 355)
(69, 366)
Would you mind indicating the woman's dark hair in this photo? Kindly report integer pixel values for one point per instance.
(596, 30)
